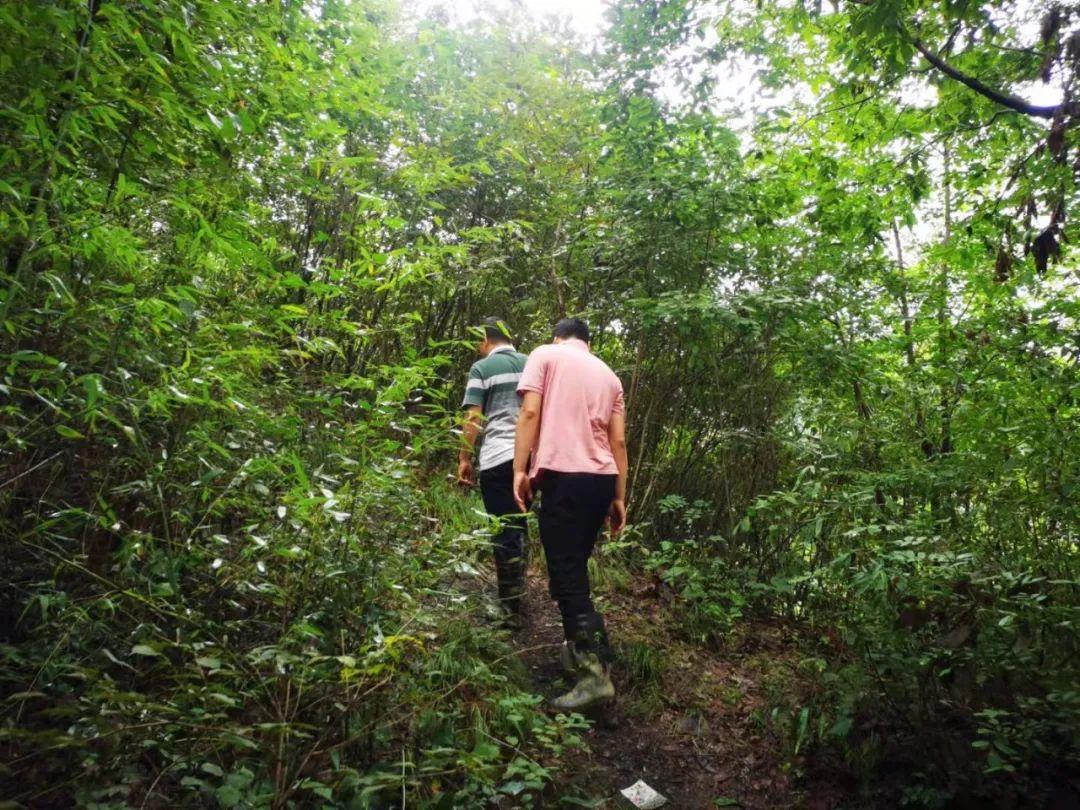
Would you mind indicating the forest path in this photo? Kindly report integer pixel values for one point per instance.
(689, 721)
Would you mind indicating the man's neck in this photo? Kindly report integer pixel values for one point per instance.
(577, 343)
(502, 347)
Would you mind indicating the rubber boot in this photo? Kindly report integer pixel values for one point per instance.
(566, 658)
(511, 576)
(591, 656)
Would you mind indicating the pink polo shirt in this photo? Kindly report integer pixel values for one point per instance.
(579, 395)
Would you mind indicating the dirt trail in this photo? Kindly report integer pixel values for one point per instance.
(689, 729)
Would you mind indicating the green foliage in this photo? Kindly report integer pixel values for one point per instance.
(223, 391)
(241, 252)
(644, 663)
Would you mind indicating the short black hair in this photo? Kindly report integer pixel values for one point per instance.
(571, 328)
(495, 330)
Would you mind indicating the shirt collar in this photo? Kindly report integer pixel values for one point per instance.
(505, 347)
(577, 343)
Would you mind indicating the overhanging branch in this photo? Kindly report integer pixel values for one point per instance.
(1004, 99)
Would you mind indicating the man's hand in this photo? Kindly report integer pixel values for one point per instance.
(528, 424)
(617, 516)
(522, 490)
(617, 439)
(466, 476)
(470, 429)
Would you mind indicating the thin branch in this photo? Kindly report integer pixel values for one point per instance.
(27, 472)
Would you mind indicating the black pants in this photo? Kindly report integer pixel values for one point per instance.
(497, 490)
(572, 511)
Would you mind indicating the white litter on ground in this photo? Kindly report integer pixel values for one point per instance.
(643, 796)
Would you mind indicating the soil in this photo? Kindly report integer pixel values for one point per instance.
(694, 725)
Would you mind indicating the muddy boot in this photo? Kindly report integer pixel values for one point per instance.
(511, 575)
(566, 658)
(591, 656)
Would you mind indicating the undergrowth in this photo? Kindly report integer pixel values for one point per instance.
(330, 652)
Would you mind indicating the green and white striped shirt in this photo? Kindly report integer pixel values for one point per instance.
(493, 385)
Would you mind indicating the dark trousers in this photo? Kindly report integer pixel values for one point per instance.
(497, 490)
(572, 511)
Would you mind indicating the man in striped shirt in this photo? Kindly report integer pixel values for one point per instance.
(491, 406)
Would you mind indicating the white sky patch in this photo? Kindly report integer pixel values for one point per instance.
(738, 92)
(586, 17)
(1038, 92)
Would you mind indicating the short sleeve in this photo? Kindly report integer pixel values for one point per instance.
(474, 388)
(532, 376)
(617, 406)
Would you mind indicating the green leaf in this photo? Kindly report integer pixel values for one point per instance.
(485, 750)
(229, 795)
(211, 768)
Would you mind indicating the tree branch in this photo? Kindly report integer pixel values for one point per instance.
(1005, 99)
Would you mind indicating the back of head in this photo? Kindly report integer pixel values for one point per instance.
(571, 328)
(495, 330)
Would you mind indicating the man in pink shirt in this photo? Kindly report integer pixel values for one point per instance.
(572, 424)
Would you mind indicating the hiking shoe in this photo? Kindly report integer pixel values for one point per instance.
(594, 686)
(588, 654)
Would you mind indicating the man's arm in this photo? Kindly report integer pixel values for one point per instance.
(528, 424)
(617, 440)
(470, 429)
